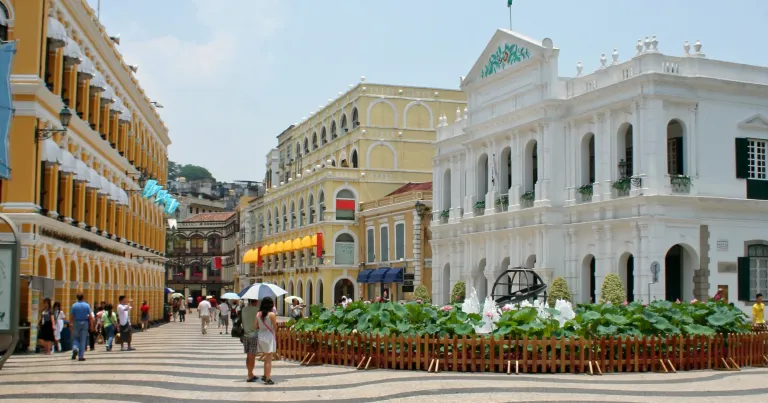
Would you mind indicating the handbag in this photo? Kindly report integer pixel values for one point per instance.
(237, 327)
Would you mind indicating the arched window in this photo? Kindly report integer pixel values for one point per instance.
(306, 145)
(323, 137)
(301, 212)
(196, 244)
(4, 17)
(354, 159)
(320, 206)
(214, 244)
(179, 244)
(333, 130)
(293, 215)
(298, 150)
(196, 269)
(277, 220)
(355, 119)
(344, 249)
(252, 227)
(269, 223)
(260, 228)
(344, 129)
(285, 218)
(314, 141)
(345, 205)
(311, 206)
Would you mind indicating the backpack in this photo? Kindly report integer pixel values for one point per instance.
(237, 326)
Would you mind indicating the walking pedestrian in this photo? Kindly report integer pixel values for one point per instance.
(58, 322)
(109, 323)
(266, 322)
(199, 300)
(250, 337)
(758, 314)
(175, 308)
(144, 316)
(124, 321)
(182, 311)
(46, 327)
(213, 303)
(83, 318)
(204, 310)
(224, 316)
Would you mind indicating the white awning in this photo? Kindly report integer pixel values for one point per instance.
(86, 68)
(72, 52)
(94, 181)
(56, 33)
(52, 152)
(98, 83)
(81, 171)
(68, 163)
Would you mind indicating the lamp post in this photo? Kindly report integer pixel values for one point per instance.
(65, 116)
(622, 169)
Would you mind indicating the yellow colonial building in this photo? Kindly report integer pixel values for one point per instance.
(357, 148)
(396, 248)
(75, 192)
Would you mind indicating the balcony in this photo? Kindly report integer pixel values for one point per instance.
(680, 184)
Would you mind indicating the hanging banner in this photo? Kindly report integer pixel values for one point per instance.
(161, 196)
(7, 51)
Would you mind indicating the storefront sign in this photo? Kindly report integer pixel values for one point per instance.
(161, 196)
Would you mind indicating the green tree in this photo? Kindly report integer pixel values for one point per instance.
(173, 170)
(459, 292)
(194, 173)
(612, 290)
(421, 293)
(559, 290)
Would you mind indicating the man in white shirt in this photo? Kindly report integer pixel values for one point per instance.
(224, 316)
(204, 308)
(124, 322)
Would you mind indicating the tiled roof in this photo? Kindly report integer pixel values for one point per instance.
(410, 187)
(210, 217)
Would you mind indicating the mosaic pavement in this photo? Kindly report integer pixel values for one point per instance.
(176, 363)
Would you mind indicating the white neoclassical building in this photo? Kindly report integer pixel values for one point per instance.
(655, 159)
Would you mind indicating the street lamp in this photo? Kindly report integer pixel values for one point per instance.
(622, 168)
(65, 116)
(420, 207)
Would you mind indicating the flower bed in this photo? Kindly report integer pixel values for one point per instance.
(628, 337)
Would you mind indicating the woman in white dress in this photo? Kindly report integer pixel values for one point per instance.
(58, 318)
(266, 322)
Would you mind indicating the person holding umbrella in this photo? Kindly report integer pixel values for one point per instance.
(297, 307)
(254, 331)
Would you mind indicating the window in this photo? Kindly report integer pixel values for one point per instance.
(756, 158)
(321, 206)
(214, 244)
(333, 130)
(355, 118)
(179, 244)
(384, 243)
(753, 273)
(399, 241)
(344, 125)
(196, 244)
(345, 205)
(311, 206)
(314, 141)
(371, 248)
(323, 137)
(345, 249)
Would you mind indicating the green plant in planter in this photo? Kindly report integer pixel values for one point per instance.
(445, 214)
(680, 180)
(586, 189)
(622, 184)
(503, 201)
(559, 290)
(458, 292)
(612, 290)
(422, 293)
(528, 196)
(480, 205)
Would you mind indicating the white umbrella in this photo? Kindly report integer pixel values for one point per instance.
(259, 291)
(292, 297)
(230, 295)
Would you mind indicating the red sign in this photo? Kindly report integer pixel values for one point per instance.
(319, 252)
(345, 204)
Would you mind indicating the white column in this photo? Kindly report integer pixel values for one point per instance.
(637, 252)
(417, 262)
(437, 274)
(456, 175)
(471, 188)
(437, 186)
(607, 157)
(572, 161)
(690, 145)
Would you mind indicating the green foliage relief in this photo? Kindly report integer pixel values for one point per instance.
(505, 56)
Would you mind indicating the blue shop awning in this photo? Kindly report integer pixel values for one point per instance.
(393, 275)
(362, 277)
(378, 275)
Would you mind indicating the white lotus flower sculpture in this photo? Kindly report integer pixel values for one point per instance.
(471, 303)
(491, 316)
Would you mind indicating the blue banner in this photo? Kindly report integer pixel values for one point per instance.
(7, 51)
(161, 196)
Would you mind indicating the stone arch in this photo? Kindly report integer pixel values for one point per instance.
(680, 264)
(340, 238)
(342, 286)
(43, 265)
(531, 166)
(347, 188)
(479, 282)
(74, 274)
(353, 159)
(446, 196)
(483, 171)
(299, 288)
(7, 8)
(343, 163)
(59, 270)
(530, 262)
(626, 271)
(319, 291)
(290, 287)
(281, 302)
(588, 167)
(383, 111)
(676, 137)
(588, 279)
(505, 170)
(421, 117)
(624, 149)
(308, 292)
(381, 159)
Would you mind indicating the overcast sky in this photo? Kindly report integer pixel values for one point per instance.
(233, 74)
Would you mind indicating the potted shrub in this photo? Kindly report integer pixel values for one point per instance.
(622, 185)
(681, 183)
(444, 215)
(503, 202)
(559, 290)
(421, 293)
(586, 191)
(527, 198)
(458, 292)
(479, 206)
(612, 290)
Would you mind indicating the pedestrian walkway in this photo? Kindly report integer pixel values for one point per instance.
(176, 363)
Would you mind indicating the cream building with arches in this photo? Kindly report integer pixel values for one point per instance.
(75, 194)
(359, 147)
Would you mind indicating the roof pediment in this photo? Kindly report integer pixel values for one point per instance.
(755, 122)
(507, 50)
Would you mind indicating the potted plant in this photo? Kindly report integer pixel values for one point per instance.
(622, 185)
(503, 202)
(479, 205)
(586, 192)
(527, 198)
(444, 215)
(680, 180)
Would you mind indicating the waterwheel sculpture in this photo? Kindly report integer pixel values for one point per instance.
(517, 285)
